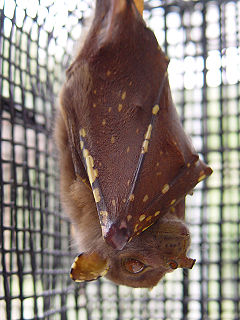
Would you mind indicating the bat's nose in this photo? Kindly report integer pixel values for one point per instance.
(116, 236)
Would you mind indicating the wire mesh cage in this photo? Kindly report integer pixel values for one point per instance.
(37, 39)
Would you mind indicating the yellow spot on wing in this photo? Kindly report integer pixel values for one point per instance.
(147, 138)
(112, 139)
(114, 202)
(148, 133)
(156, 213)
(120, 106)
(104, 215)
(145, 146)
(142, 217)
(96, 195)
(94, 105)
(104, 122)
(129, 217)
(136, 227)
(91, 172)
(109, 109)
(85, 153)
(128, 149)
(90, 158)
(155, 109)
(165, 188)
(172, 202)
(82, 132)
(149, 218)
(145, 198)
(81, 145)
(124, 95)
(131, 197)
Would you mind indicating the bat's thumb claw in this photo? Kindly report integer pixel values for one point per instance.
(117, 237)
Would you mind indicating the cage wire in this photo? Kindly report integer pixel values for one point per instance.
(37, 39)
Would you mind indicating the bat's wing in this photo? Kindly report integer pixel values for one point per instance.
(168, 170)
(124, 133)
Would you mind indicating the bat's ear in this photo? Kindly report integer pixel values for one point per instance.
(88, 266)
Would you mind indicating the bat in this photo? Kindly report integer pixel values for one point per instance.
(126, 164)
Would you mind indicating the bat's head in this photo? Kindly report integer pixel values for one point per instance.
(144, 261)
(147, 258)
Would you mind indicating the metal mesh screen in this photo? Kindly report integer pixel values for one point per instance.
(36, 41)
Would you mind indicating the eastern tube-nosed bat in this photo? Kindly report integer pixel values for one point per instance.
(126, 164)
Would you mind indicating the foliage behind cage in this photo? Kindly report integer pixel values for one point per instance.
(37, 38)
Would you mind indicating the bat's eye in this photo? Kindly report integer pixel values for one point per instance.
(133, 265)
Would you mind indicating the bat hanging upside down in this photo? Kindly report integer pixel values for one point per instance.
(126, 163)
